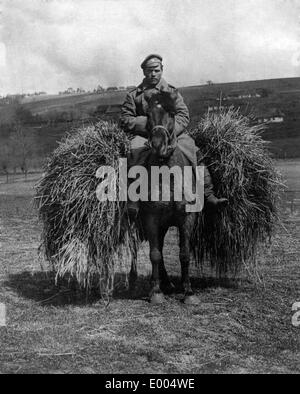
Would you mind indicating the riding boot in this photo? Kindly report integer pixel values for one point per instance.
(209, 195)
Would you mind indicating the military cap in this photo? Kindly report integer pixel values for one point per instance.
(151, 61)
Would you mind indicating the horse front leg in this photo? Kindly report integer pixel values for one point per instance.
(165, 283)
(156, 295)
(133, 274)
(185, 231)
(156, 258)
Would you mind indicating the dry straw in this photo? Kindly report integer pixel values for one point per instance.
(242, 171)
(82, 237)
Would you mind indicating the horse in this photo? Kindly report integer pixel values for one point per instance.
(156, 217)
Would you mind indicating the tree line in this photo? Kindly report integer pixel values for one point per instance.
(18, 147)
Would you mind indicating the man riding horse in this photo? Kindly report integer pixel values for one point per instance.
(134, 119)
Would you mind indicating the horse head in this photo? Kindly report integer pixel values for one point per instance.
(161, 134)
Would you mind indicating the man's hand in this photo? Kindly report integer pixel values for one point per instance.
(141, 126)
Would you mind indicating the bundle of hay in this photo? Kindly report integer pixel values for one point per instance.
(83, 237)
(243, 172)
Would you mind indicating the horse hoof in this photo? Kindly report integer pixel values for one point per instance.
(157, 298)
(191, 300)
(168, 288)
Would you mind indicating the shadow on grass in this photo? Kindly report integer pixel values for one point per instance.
(41, 287)
(142, 287)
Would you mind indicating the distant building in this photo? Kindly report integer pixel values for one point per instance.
(101, 109)
(216, 108)
(132, 87)
(273, 115)
(111, 89)
(241, 94)
(70, 91)
(99, 89)
(108, 111)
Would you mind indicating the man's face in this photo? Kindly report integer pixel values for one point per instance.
(153, 74)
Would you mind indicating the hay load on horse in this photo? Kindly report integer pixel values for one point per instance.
(84, 238)
(243, 171)
(81, 237)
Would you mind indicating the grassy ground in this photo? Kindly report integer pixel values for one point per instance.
(237, 327)
(290, 170)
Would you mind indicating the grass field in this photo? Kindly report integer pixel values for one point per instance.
(290, 169)
(238, 326)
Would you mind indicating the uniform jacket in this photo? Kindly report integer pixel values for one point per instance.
(134, 109)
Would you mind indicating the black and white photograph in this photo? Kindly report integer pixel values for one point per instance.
(149, 189)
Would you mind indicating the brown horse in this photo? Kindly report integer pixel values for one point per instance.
(156, 217)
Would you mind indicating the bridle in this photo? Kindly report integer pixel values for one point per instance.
(171, 142)
(170, 148)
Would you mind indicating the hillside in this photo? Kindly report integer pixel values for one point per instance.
(197, 97)
(82, 103)
(276, 101)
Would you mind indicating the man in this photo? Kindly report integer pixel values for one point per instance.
(134, 121)
(134, 110)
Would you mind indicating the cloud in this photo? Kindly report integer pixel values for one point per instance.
(2, 55)
(51, 45)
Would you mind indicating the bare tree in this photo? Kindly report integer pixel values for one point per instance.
(5, 158)
(21, 147)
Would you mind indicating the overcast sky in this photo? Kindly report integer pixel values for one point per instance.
(51, 45)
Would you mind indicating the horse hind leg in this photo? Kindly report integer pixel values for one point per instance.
(184, 256)
(156, 239)
(166, 285)
(156, 295)
(133, 274)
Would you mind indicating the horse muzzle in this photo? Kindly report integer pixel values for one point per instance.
(160, 142)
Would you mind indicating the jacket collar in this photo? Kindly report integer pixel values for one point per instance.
(143, 86)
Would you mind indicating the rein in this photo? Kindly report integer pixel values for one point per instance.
(170, 147)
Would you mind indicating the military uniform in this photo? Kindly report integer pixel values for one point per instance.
(135, 108)
(134, 121)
